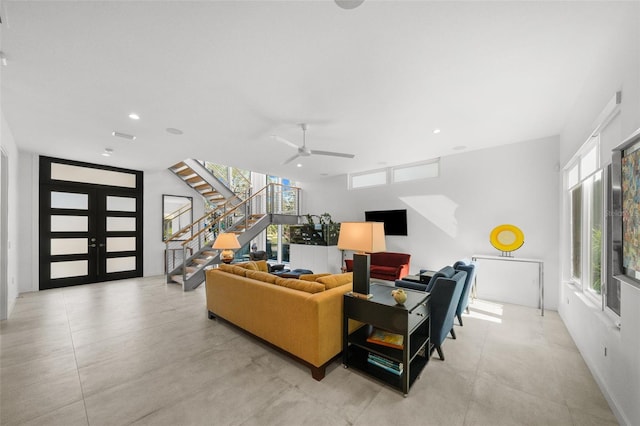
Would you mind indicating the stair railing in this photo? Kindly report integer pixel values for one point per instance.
(272, 199)
(232, 177)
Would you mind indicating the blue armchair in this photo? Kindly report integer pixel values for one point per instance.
(470, 268)
(445, 296)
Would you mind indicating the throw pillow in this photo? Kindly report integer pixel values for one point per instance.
(251, 265)
(336, 280)
(262, 276)
(239, 270)
(312, 277)
(307, 286)
(262, 265)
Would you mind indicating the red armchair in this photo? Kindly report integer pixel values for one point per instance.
(386, 265)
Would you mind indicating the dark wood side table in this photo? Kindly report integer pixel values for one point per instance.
(411, 320)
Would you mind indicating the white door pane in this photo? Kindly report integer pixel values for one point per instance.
(73, 268)
(121, 204)
(115, 224)
(119, 264)
(71, 173)
(69, 246)
(69, 223)
(121, 244)
(69, 200)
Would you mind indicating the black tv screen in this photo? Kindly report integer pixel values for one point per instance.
(395, 221)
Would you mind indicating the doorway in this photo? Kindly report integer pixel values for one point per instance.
(90, 223)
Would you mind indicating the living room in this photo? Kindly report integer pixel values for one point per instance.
(449, 217)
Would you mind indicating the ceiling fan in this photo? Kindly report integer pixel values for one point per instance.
(303, 151)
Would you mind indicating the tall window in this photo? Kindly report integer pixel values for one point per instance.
(576, 233)
(586, 199)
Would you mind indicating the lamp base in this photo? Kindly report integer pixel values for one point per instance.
(361, 271)
(226, 256)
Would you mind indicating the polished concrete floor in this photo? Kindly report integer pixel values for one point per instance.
(143, 352)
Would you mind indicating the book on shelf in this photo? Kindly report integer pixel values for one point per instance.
(385, 338)
(386, 361)
(384, 367)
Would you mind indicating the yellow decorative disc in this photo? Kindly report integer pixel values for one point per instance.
(506, 237)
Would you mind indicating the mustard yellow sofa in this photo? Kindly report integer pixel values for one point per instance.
(302, 317)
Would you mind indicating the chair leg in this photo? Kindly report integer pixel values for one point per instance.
(453, 334)
(460, 319)
(440, 354)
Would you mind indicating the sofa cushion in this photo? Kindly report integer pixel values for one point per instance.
(261, 276)
(336, 280)
(385, 270)
(295, 284)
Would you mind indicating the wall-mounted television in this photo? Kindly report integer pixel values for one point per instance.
(625, 210)
(395, 221)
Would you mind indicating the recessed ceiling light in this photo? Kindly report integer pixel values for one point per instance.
(107, 152)
(134, 116)
(436, 131)
(349, 4)
(459, 147)
(124, 135)
(298, 165)
(174, 131)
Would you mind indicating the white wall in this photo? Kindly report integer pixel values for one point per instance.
(157, 183)
(9, 146)
(618, 373)
(451, 217)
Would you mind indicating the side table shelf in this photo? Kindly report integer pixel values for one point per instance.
(411, 320)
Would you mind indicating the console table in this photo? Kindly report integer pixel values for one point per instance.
(508, 277)
(411, 320)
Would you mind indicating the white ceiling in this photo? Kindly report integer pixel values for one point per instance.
(373, 81)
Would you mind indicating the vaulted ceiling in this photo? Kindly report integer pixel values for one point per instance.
(374, 81)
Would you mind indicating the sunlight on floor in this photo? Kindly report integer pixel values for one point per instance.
(487, 311)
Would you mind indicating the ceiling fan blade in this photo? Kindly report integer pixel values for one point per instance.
(291, 159)
(284, 141)
(333, 154)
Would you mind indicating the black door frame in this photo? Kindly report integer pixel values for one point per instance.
(97, 210)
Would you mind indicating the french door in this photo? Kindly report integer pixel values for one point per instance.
(90, 223)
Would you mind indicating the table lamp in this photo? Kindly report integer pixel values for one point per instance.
(361, 237)
(227, 242)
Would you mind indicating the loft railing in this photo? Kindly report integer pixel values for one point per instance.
(272, 199)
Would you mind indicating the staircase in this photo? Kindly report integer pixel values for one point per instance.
(202, 180)
(189, 252)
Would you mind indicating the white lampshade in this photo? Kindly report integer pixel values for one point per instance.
(226, 241)
(362, 236)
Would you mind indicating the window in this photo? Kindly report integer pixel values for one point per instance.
(595, 225)
(396, 174)
(576, 233)
(586, 207)
(364, 180)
